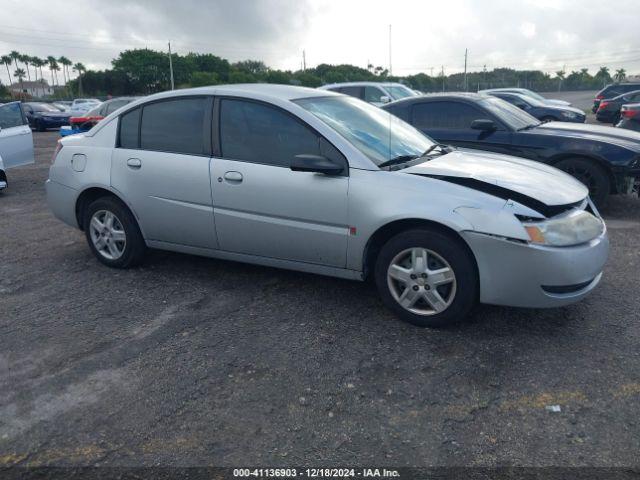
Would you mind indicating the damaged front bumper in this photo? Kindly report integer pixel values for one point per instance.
(520, 274)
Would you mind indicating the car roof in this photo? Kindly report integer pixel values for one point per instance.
(625, 94)
(258, 91)
(362, 84)
(506, 90)
(474, 97)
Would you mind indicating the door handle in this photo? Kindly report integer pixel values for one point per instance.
(233, 177)
(134, 163)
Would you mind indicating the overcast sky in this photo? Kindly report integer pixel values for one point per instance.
(425, 34)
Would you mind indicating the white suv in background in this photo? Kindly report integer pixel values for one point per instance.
(377, 93)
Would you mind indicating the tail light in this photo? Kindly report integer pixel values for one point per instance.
(630, 113)
(599, 97)
(57, 150)
(603, 104)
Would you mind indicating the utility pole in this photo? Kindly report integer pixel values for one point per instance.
(171, 68)
(442, 77)
(304, 60)
(431, 68)
(390, 69)
(465, 69)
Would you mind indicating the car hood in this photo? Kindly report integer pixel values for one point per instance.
(561, 103)
(618, 136)
(531, 183)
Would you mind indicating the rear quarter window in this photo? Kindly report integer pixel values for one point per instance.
(129, 127)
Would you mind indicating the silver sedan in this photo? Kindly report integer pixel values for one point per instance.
(320, 182)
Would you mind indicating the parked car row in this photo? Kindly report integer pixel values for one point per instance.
(429, 195)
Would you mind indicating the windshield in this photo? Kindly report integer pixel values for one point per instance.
(399, 91)
(509, 114)
(375, 132)
(533, 101)
(531, 94)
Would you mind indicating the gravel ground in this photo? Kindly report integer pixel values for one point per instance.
(193, 361)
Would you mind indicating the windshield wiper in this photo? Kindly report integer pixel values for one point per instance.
(407, 158)
(443, 148)
(397, 160)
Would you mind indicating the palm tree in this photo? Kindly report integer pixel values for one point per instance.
(6, 59)
(25, 60)
(66, 63)
(80, 68)
(560, 74)
(20, 73)
(620, 75)
(15, 56)
(603, 73)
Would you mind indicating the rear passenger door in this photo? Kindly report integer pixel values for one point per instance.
(16, 141)
(161, 166)
(264, 208)
(450, 121)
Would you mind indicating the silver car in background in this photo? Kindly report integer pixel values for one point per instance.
(320, 182)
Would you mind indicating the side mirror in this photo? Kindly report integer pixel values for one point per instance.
(316, 164)
(483, 125)
(385, 99)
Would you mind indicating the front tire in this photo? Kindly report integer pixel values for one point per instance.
(592, 175)
(427, 278)
(113, 233)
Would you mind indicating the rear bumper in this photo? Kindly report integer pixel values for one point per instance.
(62, 202)
(524, 275)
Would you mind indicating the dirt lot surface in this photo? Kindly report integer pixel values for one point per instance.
(193, 361)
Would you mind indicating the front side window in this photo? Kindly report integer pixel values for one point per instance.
(10, 116)
(378, 134)
(258, 133)
(455, 115)
(176, 126)
(373, 94)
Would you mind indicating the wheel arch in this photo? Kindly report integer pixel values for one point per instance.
(92, 193)
(389, 230)
(606, 166)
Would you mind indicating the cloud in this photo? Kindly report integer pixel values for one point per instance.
(425, 36)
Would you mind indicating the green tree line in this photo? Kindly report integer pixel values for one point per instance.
(144, 71)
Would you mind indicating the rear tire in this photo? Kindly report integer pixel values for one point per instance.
(427, 278)
(592, 175)
(113, 234)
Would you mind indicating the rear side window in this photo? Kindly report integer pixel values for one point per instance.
(445, 115)
(176, 126)
(129, 124)
(258, 133)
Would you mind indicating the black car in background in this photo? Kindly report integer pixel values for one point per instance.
(44, 115)
(630, 117)
(603, 158)
(542, 111)
(613, 90)
(609, 109)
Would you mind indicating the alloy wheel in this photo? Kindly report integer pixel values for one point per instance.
(107, 234)
(421, 281)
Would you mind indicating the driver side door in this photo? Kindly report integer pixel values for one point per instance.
(261, 206)
(16, 141)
